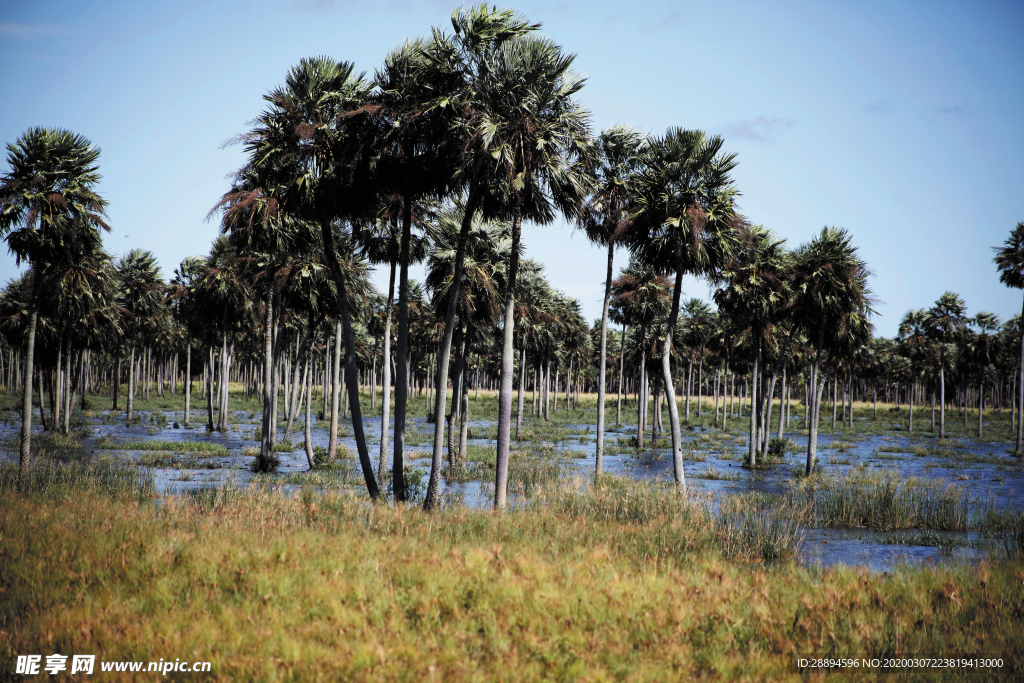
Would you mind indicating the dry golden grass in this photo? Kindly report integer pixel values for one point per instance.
(330, 588)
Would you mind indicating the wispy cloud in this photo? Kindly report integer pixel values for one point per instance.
(663, 23)
(19, 30)
(759, 129)
(955, 109)
(881, 106)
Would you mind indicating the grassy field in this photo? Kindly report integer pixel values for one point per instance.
(616, 582)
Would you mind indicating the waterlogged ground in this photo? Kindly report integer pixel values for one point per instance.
(984, 473)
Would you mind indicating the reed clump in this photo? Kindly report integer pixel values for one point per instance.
(884, 502)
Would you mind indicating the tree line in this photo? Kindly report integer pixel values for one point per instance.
(440, 156)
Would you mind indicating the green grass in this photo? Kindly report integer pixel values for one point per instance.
(884, 503)
(204, 447)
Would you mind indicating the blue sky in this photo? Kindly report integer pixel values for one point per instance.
(900, 122)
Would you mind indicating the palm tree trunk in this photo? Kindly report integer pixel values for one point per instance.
(505, 390)
(24, 454)
(599, 447)
(402, 356)
(981, 404)
(1020, 392)
(188, 379)
(307, 440)
(783, 402)
(268, 367)
(445, 349)
(813, 403)
(209, 391)
(385, 391)
(332, 443)
(131, 384)
(641, 390)
(689, 386)
(622, 358)
(752, 438)
(942, 396)
(522, 380)
(700, 381)
(464, 410)
(350, 362)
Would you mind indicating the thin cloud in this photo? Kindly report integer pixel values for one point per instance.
(955, 109)
(10, 28)
(881, 106)
(759, 129)
(663, 23)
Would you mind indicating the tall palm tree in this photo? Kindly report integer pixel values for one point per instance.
(947, 320)
(537, 136)
(309, 153)
(685, 224)
(832, 305)
(1009, 259)
(756, 296)
(381, 242)
(605, 218)
(48, 205)
(913, 338)
(640, 297)
(469, 54)
(983, 351)
(140, 295)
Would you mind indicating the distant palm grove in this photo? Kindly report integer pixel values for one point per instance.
(440, 156)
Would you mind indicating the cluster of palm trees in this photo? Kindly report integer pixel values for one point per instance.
(441, 155)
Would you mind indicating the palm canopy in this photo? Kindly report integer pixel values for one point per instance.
(947, 319)
(484, 267)
(533, 131)
(608, 212)
(755, 284)
(830, 285)
(48, 205)
(640, 295)
(1009, 258)
(686, 218)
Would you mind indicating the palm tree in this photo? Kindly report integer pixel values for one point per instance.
(605, 218)
(140, 295)
(48, 206)
(685, 225)
(983, 351)
(1009, 259)
(832, 304)
(381, 242)
(756, 296)
(308, 156)
(469, 55)
(640, 297)
(947, 320)
(914, 341)
(537, 135)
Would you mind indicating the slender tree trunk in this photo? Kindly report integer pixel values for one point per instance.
(507, 350)
(752, 439)
(522, 380)
(385, 401)
(332, 444)
(942, 396)
(307, 440)
(350, 363)
(444, 352)
(813, 403)
(209, 390)
(131, 384)
(622, 358)
(268, 367)
(117, 381)
(188, 379)
(402, 359)
(24, 455)
(783, 402)
(1020, 392)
